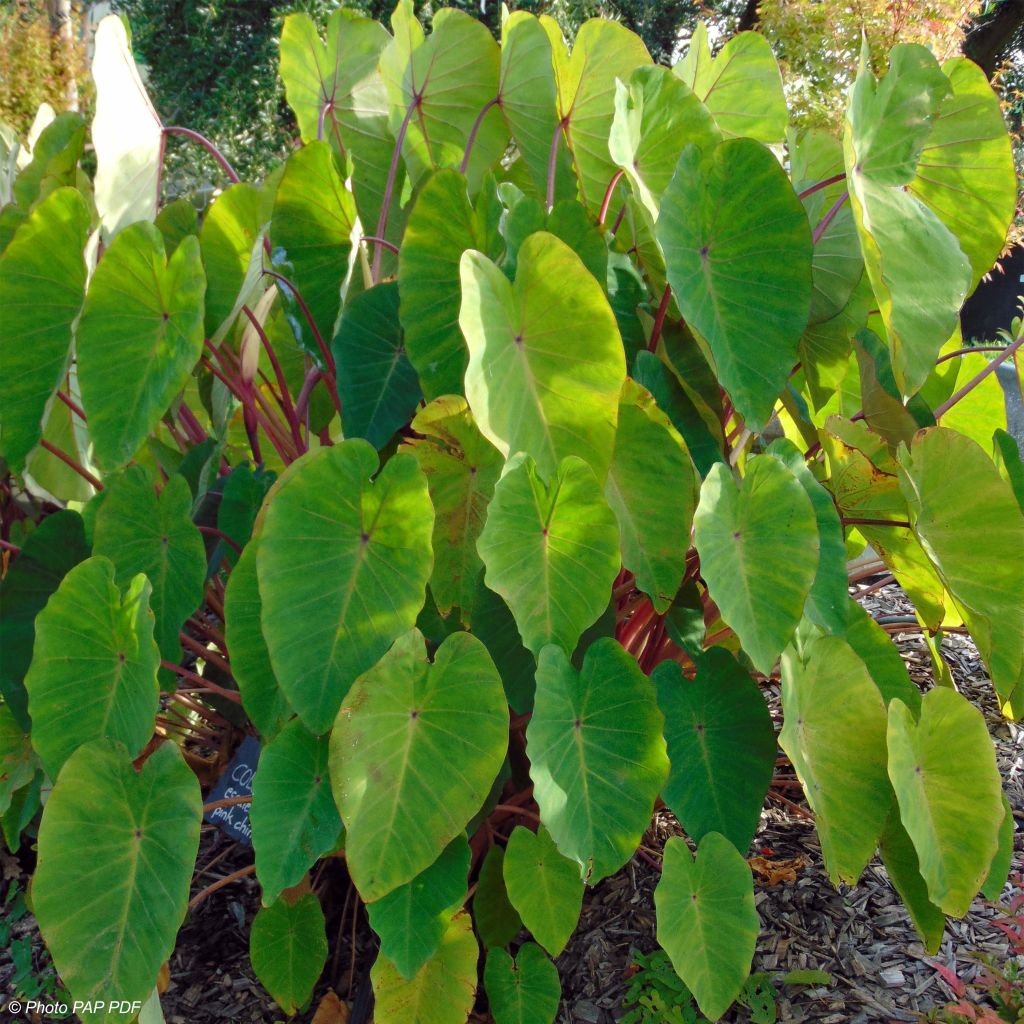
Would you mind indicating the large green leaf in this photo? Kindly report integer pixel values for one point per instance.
(376, 382)
(904, 872)
(597, 755)
(343, 565)
(828, 597)
(652, 487)
(944, 772)
(721, 745)
(741, 85)
(17, 762)
(398, 821)
(110, 911)
(727, 219)
(94, 665)
(288, 949)
(656, 117)
(294, 820)
(758, 545)
(874, 646)
(834, 733)
(947, 511)
(42, 284)
(143, 532)
(338, 95)
(447, 81)
(262, 697)
(311, 232)
(522, 991)
(918, 272)
(54, 163)
(412, 919)
(461, 467)
(706, 919)
(441, 227)
(231, 227)
(544, 887)
(52, 550)
(603, 51)
(546, 362)
(965, 172)
(140, 335)
(529, 102)
(443, 989)
(497, 922)
(127, 136)
(550, 550)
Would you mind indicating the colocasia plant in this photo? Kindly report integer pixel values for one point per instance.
(487, 462)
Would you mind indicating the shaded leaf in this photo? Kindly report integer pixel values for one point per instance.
(522, 991)
(497, 922)
(288, 949)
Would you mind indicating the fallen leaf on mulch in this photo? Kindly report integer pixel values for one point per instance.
(331, 1010)
(772, 872)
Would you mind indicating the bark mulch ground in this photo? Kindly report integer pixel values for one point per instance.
(860, 935)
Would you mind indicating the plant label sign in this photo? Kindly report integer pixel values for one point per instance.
(236, 781)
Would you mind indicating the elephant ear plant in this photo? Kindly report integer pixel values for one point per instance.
(488, 462)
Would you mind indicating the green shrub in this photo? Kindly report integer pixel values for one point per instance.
(485, 462)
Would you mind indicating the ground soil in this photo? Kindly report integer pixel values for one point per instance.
(860, 935)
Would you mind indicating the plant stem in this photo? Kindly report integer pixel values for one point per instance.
(206, 654)
(212, 531)
(473, 132)
(308, 383)
(228, 801)
(72, 405)
(193, 428)
(208, 146)
(522, 811)
(389, 188)
(968, 351)
(979, 377)
(854, 521)
(835, 179)
(220, 883)
(6, 545)
(201, 681)
(381, 241)
(608, 192)
(68, 461)
(659, 319)
(553, 162)
(828, 218)
(286, 399)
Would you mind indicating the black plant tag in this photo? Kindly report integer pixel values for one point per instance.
(236, 781)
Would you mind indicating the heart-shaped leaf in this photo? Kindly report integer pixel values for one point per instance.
(597, 755)
(143, 532)
(412, 919)
(943, 769)
(721, 745)
(656, 116)
(311, 233)
(497, 922)
(262, 697)
(917, 270)
(343, 565)
(376, 382)
(294, 820)
(834, 733)
(442, 990)
(398, 822)
(52, 550)
(127, 135)
(544, 887)
(546, 362)
(288, 949)
(552, 552)
(94, 665)
(741, 85)
(110, 918)
(140, 334)
(42, 284)
(442, 226)
(728, 218)
(652, 488)
(758, 545)
(461, 467)
(706, 919)
(522, 991)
